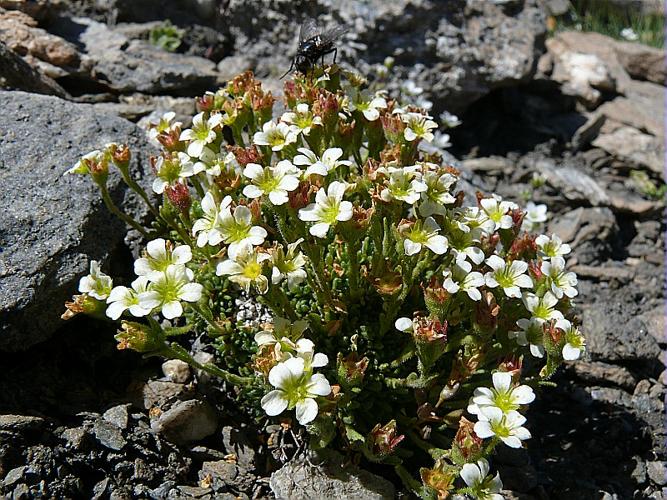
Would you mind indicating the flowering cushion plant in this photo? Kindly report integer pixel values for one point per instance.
(407, 326)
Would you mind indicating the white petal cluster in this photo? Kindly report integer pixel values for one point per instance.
(272, 182)
(328, 209)
(96, 284)
(481, 485)
(276, 135)
(496, 410)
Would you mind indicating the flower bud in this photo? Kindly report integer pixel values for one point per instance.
(486, 313)
(206, 102)
(245, 155)
(84, 304)
(170, 139)
(120, 155)
(523, 248)
(351, 369)
(384, 440)
(436, 298)
(179, 195)
(393, 128)
(467, 446)
(440, 479)
(137, 337)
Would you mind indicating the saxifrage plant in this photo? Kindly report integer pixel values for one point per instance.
(407, 327)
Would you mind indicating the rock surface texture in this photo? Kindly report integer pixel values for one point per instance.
(53, 225)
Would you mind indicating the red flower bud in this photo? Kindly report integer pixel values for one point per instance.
(179, 196)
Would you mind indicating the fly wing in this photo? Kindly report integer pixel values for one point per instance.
(308, 30)
(332, 34)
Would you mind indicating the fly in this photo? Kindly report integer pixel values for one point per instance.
(314, 44)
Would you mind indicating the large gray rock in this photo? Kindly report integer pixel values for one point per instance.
(302, 480)
(457, 50)
(52, 226)
(135, 66)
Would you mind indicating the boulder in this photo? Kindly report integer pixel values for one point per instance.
(52, 226)
(636, 149)
(302, 479)
(126, 65)
(16, 74)
(641, 61)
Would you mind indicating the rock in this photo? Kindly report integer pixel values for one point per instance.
(602, 373)
(586, 63)
(109, 435)
(222, 475)
(640, 108)
(20, 423)
(589, 231)
(176, 370)
(143, 108)
(604, 273)
(301, 480)
(573, 183)
(21, 34)
(16, 74)
(187, 421)
(613, 334)
(457, 53)
(657, 471)
(655, 322)
(235, 441)
(118, 416)
(136, 66)
(641, 61)
(155, 393)
(588, 131)
(583, 75)
(14, 475)
(637, 149)
(76, 437)
(54, 225)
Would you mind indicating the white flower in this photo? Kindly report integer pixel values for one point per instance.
(437, 193)
(288, 265)
(168, 290)
(368, 106)
(276, 136)
(305, 349)
(282, 328)
(96, 284)
(483, 487)
(497, 211)
(246, 269)
(502, 395)
(449, 120)
(551, 247)
(207, 229)
(122, 298)
(531, 334)
(542, 308)
(508, 427)
(328, 208)
(534, 215)
(510, 278)
(418, 126)
(302, 120)
(201, 133)
(163, 125)
(460, 279)
(575, 344)
(561, 282)
(81, 166)
(237, 229)
(411, 88)
(314, 165)
(160, 255)
(215, 164)
(273, 182)
(463, 244)
(475, 219)
(424, 233)
(295, 388)
(172, 169)
(629, 34)
(404, 325)
(404, 184)
(441, 141)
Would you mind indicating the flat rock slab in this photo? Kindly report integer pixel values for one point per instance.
(302, 480)
(51, 226)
